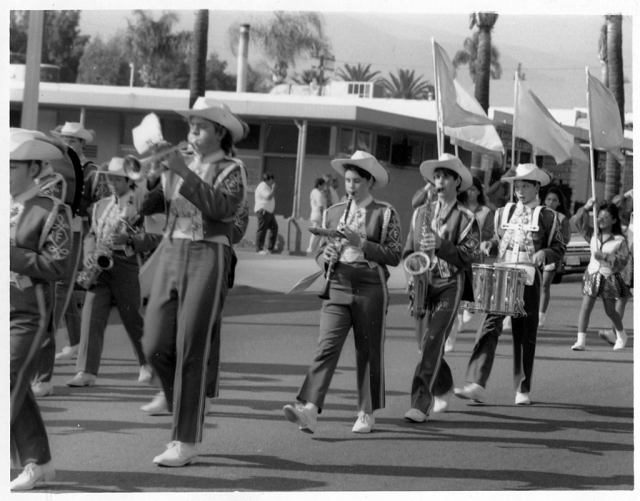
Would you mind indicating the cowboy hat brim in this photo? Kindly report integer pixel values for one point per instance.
(538, 176)
(428, 167)
(370, 164)
(220, 116)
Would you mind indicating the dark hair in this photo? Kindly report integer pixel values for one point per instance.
(226, 143)
(267, 176)
(612, 209)
(562, 208)
(359, 170)
(319, 182)
(464, 197)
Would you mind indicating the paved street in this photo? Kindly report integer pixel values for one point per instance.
(578, 435)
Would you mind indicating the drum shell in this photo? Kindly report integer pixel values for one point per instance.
(498, 289)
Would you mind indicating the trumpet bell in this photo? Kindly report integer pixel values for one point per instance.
(417, 263)
(133, 167)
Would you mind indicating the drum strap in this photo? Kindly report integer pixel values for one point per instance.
(517, 238)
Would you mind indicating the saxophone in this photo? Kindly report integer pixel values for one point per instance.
(101, 258)
(417, 267)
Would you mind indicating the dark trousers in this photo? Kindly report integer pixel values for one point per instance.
(525, 331)
(30, 321)
(182, 327)
(432, 376)
(358, 299)
(119, 285)
(266, 222)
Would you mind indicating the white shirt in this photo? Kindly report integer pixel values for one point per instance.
(263, 191)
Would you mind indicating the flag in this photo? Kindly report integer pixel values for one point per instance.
(604, 119)
(533, 122)
(453, 114)
(479, 138)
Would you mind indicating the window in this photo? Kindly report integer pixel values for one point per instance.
(318, 140)
(346, 141)
(383, 148)
(252, 141)
(360, 89)
(364, 141)
(282, 138)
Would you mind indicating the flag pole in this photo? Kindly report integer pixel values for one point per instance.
(513, 130)
(592, 167)
(438, 99)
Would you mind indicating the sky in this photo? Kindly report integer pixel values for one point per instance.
(554, 41)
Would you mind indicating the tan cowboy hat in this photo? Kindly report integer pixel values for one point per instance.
(31, 145)
(74, 129)
(218, 112)
(367, 162)
(529, 172)
(451, 162)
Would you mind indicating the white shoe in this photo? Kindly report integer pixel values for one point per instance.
(157, 406)
(364, 423)
(31, 475)
(522, 398)
(264, 252)
(305, 418)
(68, 352)
(471, 391)
(578, 346)
(506, 324)
(416, 415)
(441, 403)
(621, 340)
(82, 379)
(42, 389)
(146, 374)
(177, 454)
(608, 336)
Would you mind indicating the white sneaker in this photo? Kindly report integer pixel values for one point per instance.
(177, 454)
(506, 324)
(157, 406)
(68, 352)
(264, 252)
(608, 336)
(579, 346)
(146, 374)
(42, 389)
(301, 416)
(82, 379)
(416, 415)
(471, 391)
(621, 340)
(31, 475)
(441, 403)
(364, 423)
(522, 398)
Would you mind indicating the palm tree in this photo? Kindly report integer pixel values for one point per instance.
(285, 38)
(406, 86)
(616, 85)
(308, 77)
(358, 73)
(199, 56)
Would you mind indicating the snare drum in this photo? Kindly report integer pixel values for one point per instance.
(498, 289)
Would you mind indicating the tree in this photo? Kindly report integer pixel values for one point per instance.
(308, 77)
(616, 85)
(104, 63)
(358, 73)
(160, 55)
(284, 39)
(216, 78)
(199, 56)
(62, 43)
(406, 86)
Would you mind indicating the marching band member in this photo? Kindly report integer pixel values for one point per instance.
(115, 235)
(182, 324)
(449, 234)
(40, 254)
(526, 232)
(358, 295)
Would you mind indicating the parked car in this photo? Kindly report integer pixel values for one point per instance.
(577, 257)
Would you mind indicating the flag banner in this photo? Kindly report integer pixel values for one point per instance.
(533, 122)
(604, 119)
(479, 138)
(453, 112)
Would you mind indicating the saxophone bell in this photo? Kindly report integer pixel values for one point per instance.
(104, 261)
(416, 267)
(417, 263)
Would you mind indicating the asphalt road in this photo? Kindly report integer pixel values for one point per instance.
(577, 435)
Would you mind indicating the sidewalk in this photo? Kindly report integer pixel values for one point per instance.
(277, 273)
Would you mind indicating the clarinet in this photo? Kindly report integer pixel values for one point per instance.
(332, 263)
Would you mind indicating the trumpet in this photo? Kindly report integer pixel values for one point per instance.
(140, 168)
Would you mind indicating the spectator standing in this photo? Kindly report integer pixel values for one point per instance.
(264, 208)
(318, 202)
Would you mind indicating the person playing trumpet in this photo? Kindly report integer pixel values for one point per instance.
(116, 235)
(358, 295)
(448, 233)
(205, 198)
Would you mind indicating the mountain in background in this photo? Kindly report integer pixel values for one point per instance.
(553, 50)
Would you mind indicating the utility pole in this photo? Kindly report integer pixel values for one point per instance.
(32, 71)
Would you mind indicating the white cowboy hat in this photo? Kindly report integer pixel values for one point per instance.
(367, 162)
(218, 112)
(116, 168)
(31, 145)
(75, 129)
(451, 162)
(529, 172)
